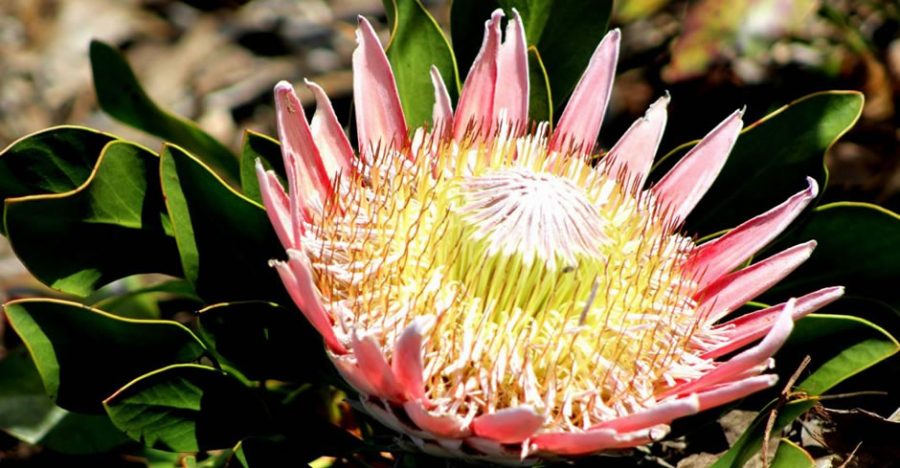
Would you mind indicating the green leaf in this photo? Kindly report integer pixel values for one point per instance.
(132, 297)
(113, 225)
(566, 32)
(540, 100)
(54, 160)
(840, 347)
(121, 96)
(751, 440)
(79, 434)
(857, 249)
(263, 340)
(28, 414)
(25, 410)
(225, 240)
(84, 354)
(62, 431)
(161, 458)
(217, 459)
(268, 151)
(187, 408)
(872, 310)
(790, 455)
(771, 159)
(416, 44)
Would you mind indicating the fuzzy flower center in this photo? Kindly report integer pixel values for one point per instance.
(537, 215)
(549, 282)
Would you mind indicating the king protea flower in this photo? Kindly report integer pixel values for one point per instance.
(492, 290)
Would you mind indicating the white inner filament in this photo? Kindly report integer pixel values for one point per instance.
(537, 215)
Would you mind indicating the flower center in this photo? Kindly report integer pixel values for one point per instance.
(536, 215)
(550, 284)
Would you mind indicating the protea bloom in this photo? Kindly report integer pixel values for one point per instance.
(493, 290)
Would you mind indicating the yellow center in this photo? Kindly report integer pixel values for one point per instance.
(550, 283)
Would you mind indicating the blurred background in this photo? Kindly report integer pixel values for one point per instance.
(216, 61)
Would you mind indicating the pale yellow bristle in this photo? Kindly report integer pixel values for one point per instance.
(551, 282)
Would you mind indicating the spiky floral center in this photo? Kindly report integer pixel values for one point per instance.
(551, 283)
(539, 216)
